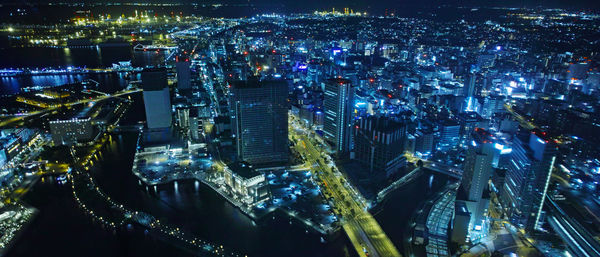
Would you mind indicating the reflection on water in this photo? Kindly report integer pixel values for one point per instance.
(95, 57)
(190, 205)
(430, 180)
(92, 57)
(196, 209)
(199, 210)
(109, 82)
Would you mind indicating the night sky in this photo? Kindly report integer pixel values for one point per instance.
(380, 4)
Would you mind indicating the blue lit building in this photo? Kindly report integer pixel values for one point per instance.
(477, 171)
(527, 179)
(423, 142)
(337, 106)
(449, 135)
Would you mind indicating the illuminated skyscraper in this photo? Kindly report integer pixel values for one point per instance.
(259, 120)
(527, 179)
(477, 170)
(337, 105)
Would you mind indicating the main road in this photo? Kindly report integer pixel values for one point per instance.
(364, 232)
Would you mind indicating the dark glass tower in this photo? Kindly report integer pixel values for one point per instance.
(379, 143)
(259, 120)
(184, 76)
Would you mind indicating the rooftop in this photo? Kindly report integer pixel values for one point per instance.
(243, 169)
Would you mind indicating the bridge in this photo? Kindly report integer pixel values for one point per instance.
(430, 165)
(443, 169)
(398, 183)
(141, 47)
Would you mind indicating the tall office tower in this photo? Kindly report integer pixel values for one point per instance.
(450, 132)
(337, 104)
(423, 142)
(469, 89)
(184, 75)
(527, 179)
(478, 168)
(378, 143)
(157, 100)
(259, 120)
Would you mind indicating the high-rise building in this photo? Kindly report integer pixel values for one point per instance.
(491, 104)
(259, 121)
(337, 106)
(195, 124)
(460, 223)
(469, 89)
(449, 135)
(378, 143)
(532, 158)
(157, 100)
(423, 142)
(184, 76)
(477, 171)
(468, 122)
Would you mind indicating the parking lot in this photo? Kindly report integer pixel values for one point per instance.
(296, 193)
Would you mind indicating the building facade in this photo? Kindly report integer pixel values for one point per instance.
(379, 143)
(157, 99)
(259, 121)
(337, 106)
(184, 75)
(477, 171)
(246, 182)
(527, 178)
(70, 132)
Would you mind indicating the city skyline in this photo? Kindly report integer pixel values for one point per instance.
(256, 128)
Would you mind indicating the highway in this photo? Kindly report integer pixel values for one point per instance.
(363, 230)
